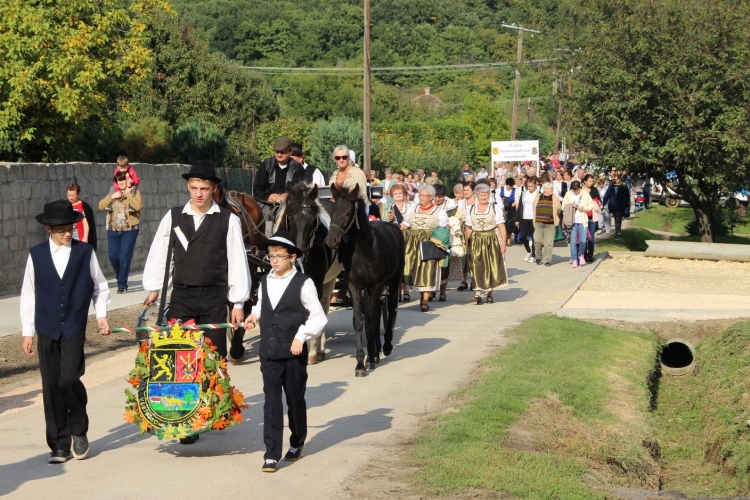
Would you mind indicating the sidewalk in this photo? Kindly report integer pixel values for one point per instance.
(10, 306)
(350, 419)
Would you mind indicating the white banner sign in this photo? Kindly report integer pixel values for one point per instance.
(514, 151)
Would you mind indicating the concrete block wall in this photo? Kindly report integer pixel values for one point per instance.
(26, 187)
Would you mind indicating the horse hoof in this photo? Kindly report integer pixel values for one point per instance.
(387, 350)
(372, 366)
(377, 360)
(360, 373)
(311, 360)
(321, 356)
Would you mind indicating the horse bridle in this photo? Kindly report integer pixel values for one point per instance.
(354, 220)
(315, 231)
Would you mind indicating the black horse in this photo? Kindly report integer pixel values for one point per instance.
(302, 219)
(374, 260)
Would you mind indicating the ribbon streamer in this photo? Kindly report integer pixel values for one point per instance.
(205, 326)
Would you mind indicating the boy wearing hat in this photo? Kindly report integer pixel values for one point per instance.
(289, 314)
(209, 262)
(62, 277)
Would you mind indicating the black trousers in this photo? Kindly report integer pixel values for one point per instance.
(62, 365)
(291, 376)
(618, 215)
(202, 304)
(526, 228)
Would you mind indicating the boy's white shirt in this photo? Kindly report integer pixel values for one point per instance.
(276, 286)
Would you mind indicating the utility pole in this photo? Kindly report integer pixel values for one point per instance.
(519, 53)
(367, 149)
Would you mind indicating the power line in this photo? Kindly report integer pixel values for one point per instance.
(279, 69)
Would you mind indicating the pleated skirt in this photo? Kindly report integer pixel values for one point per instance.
(486, 261)
(424, 276)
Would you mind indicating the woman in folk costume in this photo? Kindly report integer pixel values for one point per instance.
(418, 226)
(485, 225)
(447, 205)
(464, 205)
(396, 214)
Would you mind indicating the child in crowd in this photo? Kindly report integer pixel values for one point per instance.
(289, 314)
(124, 166)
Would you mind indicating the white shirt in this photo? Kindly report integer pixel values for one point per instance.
(318, 178)
(239, 281)
(576, 198)
(528, 200)
(482, 175)
(276, 285)
(442, 216)
(448, 204)
(60, 258)
(499, 215)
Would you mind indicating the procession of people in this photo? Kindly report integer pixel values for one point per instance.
(198, 252)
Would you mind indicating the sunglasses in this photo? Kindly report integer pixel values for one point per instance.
(337, 158)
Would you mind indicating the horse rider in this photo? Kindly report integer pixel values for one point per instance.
(313, 175)
(277, 173)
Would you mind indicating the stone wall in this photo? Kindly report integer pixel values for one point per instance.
(26, 187)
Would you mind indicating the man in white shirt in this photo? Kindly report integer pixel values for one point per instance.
(62, 277)
(209, 261)
(482, 174)
(313, 175)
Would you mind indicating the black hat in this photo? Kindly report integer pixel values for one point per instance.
(297, 150)
(59, 213)
(203, 169)
(283, 239)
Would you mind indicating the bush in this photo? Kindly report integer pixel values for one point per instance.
(441, 145)
(198, 141)
(530, 131)
(326, 135)
(721, 229)
(147, 141)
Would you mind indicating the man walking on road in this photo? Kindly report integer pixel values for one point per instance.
(62, 271)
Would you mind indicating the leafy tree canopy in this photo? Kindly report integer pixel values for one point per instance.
(65, 66)
(664, 86)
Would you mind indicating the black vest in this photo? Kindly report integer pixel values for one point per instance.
(309, 172)
(205, 262)
(62, 304)
(279, 325)
(278, 184)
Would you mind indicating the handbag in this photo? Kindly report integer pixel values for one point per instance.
(430, 251)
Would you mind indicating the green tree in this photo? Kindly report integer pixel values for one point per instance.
(148, 140)
(198, 141)
(664, 86)
(488, 121)
(326, 135)
(297, 129)
(65, 66)
(530, 131)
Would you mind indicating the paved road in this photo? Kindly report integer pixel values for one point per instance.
(350, 419)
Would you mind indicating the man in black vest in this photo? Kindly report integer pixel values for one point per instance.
(210, 264)
(289, 314)
(277, 173)
(62, 278)
(313, 175)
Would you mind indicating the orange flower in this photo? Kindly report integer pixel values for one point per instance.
(197, 423)
(239, 399)
(219, 390)
(206, 412)
(135, 381)
(223, 364)
(236, 415)
(143, 347)
(130, 416)
(214, 378)
(221, 424)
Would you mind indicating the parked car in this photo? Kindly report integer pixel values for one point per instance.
(666, 195)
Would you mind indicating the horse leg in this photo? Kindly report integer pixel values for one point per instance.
(392, 304)
(372, 324)
(357, 320)
(327, 292)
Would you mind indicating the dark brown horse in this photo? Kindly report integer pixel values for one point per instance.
(248, 210)
(374, 257)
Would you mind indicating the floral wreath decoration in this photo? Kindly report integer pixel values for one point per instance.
(180, 386)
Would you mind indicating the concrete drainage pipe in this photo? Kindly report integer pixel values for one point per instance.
(677, 357)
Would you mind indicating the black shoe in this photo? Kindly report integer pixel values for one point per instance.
(547, 264)
(80, 447)
(293, 454)
(269, 465)
(190, 439)
(432, 296)
(539, 262)
(122, 290)
(59, 457)
(490, 300)
(463, 286)
(479, 301)
(442, 297)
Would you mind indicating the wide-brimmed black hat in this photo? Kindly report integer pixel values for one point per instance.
(203, 169)
(59, 213)
(282, 239)
(297, 150)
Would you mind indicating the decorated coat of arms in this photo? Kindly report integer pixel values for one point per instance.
(181, 386)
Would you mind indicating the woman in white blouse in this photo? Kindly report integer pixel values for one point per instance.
(485, 225)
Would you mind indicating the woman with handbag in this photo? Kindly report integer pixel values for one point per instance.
(575, 205)
(399, 208)
(485, 225)
(124, 207)
(418, 226)
(507, 196)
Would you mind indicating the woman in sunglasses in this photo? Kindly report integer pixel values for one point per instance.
(348, 175)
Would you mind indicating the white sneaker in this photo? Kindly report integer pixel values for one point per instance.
(527, 258)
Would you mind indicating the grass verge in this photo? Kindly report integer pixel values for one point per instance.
(565, 400)
(702, 419)
(629, 240)
(663, 218)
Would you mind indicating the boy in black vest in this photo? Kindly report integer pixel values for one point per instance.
(210, 264)
(62, 278)
(289, 314)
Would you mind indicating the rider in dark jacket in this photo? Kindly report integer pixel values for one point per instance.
(278, 173)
